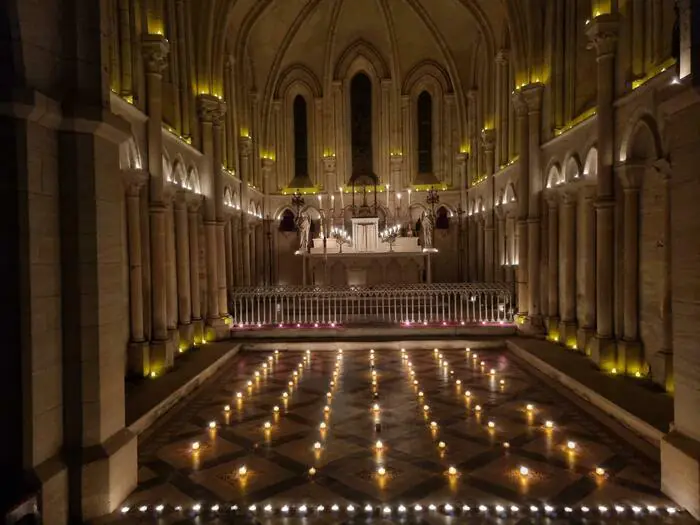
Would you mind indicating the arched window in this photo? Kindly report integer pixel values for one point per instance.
(287, 222)
(425, 133)
(301, 138)
(442, 221)
(361, 124)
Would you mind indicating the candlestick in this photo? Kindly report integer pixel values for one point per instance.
(409, 198)
(342, 200)
(387, 196)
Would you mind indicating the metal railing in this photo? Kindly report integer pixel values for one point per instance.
(427, 304)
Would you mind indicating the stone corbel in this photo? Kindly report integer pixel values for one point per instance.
(488, 139)
(245, 143)
(396, 161)
(461, 158)
(532, 96)
(194, 201)
(211, 109)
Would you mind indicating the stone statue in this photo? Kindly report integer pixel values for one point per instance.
(427, 227)
(304, 228)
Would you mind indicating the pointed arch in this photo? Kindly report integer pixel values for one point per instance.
(298, 73)
(361, 49)
(554, 176)
(130, 155)
(509, 194)
(572, 168)
(179, 172)
(641, 138)
(590, 166)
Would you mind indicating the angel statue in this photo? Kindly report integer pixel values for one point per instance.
(304, 227)
(427, 227)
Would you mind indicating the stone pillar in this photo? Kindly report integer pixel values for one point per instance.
(567, 326)
(171, 271)
(488, 138)
(237, 250)
(428, 268)
(228, 239)
(523, 204)
(193, 204)
(553, 268)
(253, 254)
(662, 363)
(480, 259)
(629, 357)
(532, 94)
(137, 357)
(500, 245)
(502, 91)
(211, 112)
(184, 296)
(245, 234)
(156, 49)
(602, 32)
(586, 329)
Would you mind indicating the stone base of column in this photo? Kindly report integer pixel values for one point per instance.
(51, 478)
(662, 369)
(532, 325)
(680, 471)
(583, 339)
(218, 329)
(162, 356)
(138, 358)
(567, 334)
(109, 474)
(197, 331)
(186, 332)
(630, 357)
(552, 326)
(603, 352)
(174, 336)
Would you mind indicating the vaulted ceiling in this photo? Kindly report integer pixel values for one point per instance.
(271, 35)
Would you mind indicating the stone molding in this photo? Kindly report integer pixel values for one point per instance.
(155, 53)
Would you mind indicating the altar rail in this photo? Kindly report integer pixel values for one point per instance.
(426, 304)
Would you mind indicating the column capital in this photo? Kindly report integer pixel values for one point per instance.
(552, 198)
(267, 164)
(180, 199)
(396, 161)
(246, 145)
(134, 180)
(569, 198)
(488, 138)
(194, 201)
(211, 109)
(155, 53)
(461, 157)
(602, 32)
(663, 168)
(502, 57)
(519, 104)
(532, 95)
(631, 174)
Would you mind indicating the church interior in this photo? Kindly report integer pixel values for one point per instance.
(348, 261)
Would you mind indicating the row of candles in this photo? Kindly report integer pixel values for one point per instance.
(342, 198)
(443, 367)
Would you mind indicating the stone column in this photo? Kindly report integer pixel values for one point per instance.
(532, 94)
(553, 268)
(586, 329)
(488, 138)
(245, 234)
(193, 204)
(184, 296)
(155, 49)
(523, 204)
(171, 270)
(253, 254)
(602, 32)
(228, 239)
(137, 357)
(480, 237)
(237, 250)
(500, 245)
(629, 357)
(567, 326)
(662, 363)
(211, 112)
(502, 107)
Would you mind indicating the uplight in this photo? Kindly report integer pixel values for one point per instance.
(243, 470)
(524, 471)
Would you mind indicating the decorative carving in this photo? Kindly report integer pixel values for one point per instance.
(194, 201)
(502, 57)
(133, 181)
(155, 53)
(304, 229)
(246, 146)
(532, 94)
(396, 161)
(329, 164)
(267, 164)
(472, 95)
(602, 33)
(488, 139)
(461, 158)
(427, 225)
(519, 104)
(211, 109)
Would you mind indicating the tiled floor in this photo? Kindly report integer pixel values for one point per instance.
(575, 470)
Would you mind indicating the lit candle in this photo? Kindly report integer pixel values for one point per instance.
(409, 198)
(333, 202)
(342, 200)
(320, 201)
(387, 196)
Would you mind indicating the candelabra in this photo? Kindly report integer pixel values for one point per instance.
(389, 236)
(341, 237)
(432, 198)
